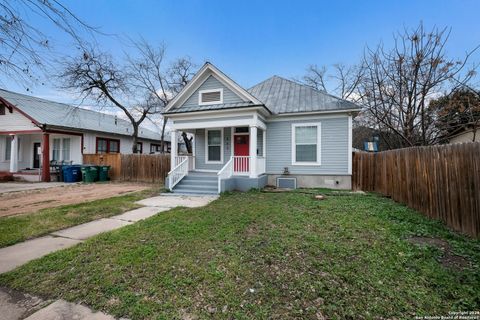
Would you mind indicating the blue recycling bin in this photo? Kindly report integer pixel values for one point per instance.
(72, 173)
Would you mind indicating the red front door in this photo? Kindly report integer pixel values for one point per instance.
(241, 147)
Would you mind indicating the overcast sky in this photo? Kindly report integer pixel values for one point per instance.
(253, 40)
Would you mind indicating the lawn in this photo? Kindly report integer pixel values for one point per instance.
(268, 255)
(19, 228)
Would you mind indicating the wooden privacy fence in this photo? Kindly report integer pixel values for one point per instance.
(442, 182)
(133, 167)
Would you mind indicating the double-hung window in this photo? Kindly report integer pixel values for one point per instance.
(214, 145)
(106, 145)
(8, 147)
(61, 149)
(306, 144)
(56, 149)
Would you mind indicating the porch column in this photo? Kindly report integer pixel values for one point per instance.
(46, 157)
(173, 148)
(13, 153)
(253, 152)
(264, 149)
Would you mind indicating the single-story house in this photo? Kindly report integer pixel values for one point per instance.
(35, 131)
(466, 135)
(279, 132)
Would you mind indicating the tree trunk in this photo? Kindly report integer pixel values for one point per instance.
(162, 142)
(135, 138)
(188, 142)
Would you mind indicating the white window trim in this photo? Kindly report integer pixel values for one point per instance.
(319, 144)
(200, 103)
(221, 146)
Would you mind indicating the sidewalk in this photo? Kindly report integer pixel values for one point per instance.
(15, 305)
(21, 253)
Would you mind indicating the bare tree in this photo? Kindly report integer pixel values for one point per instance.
(342, 82)
(25, 50)
(457, 112)
(141, 86)
(159, 82)
(398, 83)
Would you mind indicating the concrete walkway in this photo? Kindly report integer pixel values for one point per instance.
(14, 305)
(21, 253)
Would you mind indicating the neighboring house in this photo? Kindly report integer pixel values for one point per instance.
(469, 135)
(248, 138)
(41, 130)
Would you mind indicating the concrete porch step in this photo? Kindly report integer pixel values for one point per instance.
(198, 183)
(196, 187)
(196, 192)
(194, 182)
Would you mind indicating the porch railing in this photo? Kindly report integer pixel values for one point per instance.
(225, 173)
(178, 172)
(261, 165)
(191, 161)
(241, 165)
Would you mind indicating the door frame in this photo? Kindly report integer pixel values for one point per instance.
(33, 155)
(232, 139)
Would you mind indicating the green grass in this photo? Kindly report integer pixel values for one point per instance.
(19, 228)
(265, 255)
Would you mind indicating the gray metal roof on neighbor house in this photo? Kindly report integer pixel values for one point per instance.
(62, 115)
(281, 95)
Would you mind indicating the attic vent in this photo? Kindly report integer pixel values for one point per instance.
(211, 96)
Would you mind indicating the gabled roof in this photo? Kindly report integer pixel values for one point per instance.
(207, 70)
(276, 94)
(281, 95)
(61, 115)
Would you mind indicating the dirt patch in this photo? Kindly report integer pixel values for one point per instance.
(448, 259)
(34, 200)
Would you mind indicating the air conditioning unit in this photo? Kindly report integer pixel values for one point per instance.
(286, 183)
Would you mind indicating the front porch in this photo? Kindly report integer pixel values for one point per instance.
(28, 155)
(234, 157)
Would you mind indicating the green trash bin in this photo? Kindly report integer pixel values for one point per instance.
(89, 174)
(103, 173)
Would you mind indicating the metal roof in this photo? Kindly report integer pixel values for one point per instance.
(281, 95)
(217, 106)
(57, 114)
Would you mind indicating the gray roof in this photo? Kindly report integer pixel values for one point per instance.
(281, 95)
(57, 114)
(217, 106)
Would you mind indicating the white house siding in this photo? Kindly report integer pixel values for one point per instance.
(334, 146)
(126, 143)
(466, 137)
(15, 122)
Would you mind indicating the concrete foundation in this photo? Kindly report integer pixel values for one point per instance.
(239, 183)
(316, 181)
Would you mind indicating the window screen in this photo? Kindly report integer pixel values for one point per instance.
(8, 147)
(114, 146)
(306, 144)
(66, 149)
(214, 145)
(56, 149)
(102, 146)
